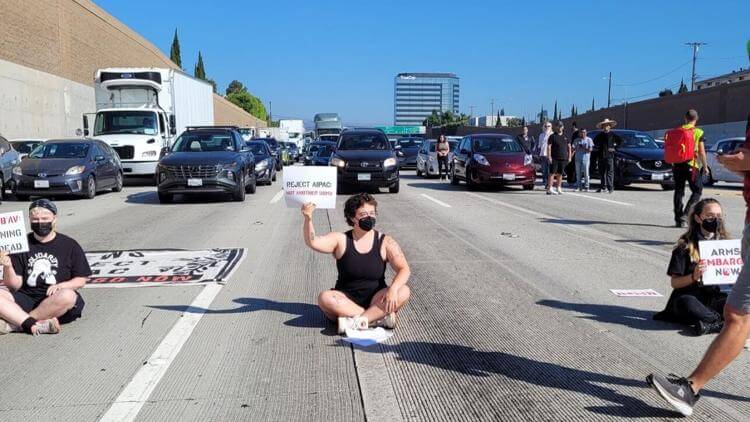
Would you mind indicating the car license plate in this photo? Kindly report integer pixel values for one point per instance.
(194, 182)
(363, 176)
(657, 176)
(509, 176)
(41, 184)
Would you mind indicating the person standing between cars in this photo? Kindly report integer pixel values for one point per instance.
(541, 150)
(526, 140)
(583, 145)
(575, 133)
(40, 286)
(559, 153)
(690, 171)
(682, 392)
(691, 303)
(606, 143)
(443, 148)
(361, 297)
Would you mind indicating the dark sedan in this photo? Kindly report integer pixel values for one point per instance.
(407, 150)
(273, 144)
(265, 165)
(313, 149)
(207, 160)
(80, 167)
(364, 158)
(638, 159)
(322, 156)
(492, 159)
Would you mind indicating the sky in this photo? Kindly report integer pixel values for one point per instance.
(307, 57)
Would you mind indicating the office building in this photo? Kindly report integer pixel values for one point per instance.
(735, 76)
(416, 95)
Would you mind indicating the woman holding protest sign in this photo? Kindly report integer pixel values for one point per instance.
(361, 298)
(691, 302)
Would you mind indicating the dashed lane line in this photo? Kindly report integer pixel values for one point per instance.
(598, 199)
(437, 201)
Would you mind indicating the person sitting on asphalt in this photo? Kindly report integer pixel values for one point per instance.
(361, 297)
(691, 303)
(40, 286)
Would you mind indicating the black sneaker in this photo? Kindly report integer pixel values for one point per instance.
(702, 328)
(679, 224)
(676, 391)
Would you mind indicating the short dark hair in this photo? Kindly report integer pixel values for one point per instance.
(691, 115)
(356, 202)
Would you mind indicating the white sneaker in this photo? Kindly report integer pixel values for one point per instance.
(559, 191)
(389, 321)
(5, 328)
(549, 191)
(48, 326)
(353, 323)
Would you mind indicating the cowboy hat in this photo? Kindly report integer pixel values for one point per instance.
(611, 123)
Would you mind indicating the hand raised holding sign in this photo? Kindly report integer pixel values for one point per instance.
(307, 209)
(4, 259)
(699, 270)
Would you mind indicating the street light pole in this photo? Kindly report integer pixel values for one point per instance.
(609, 90)
(695, 46)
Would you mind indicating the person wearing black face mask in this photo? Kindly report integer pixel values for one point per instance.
(361, 297)
(43, 283)
(692, 303)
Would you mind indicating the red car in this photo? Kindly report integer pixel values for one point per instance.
(492, 159)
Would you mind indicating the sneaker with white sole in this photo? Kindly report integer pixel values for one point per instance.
(5, 328)
(48, 326)
(389, 321)
(559, 191)
(676, 391)
(352, 323)
(549, 191)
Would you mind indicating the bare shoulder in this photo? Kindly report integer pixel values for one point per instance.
(391, 248)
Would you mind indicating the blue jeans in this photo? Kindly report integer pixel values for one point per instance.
(582, 170)
(544, 161)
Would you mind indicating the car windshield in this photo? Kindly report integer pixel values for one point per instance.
(245, 131)
(363, 141)
(482, 145)
(410, 142)
(324, 152)
(61, 150)
(433, 146)
(453, 145)
(271, 142)
(637, 140)
(203, 142)
(24, 147)
(257, 149)
(135, 122)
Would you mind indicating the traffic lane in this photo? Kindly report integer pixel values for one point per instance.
(264, 350)
(474, 343)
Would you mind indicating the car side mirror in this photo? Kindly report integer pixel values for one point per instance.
(172, 125)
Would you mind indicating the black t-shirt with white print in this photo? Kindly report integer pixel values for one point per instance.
(49, 263)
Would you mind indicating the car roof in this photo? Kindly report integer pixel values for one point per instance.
(350, 131)
(28, 140)
(72, 140)
(491, 135)
(733, 138)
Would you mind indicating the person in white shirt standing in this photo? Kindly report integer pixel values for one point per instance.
(541, 149)
(582, 145)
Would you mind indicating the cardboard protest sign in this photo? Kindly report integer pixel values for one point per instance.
(310, 184)
(13, 233)
(723, 259)
(635, 292)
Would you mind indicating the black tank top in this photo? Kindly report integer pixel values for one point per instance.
(358, 272)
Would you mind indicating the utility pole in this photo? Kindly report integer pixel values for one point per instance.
(492, 105)
(695, 46)
(609, 90)
(471, 110)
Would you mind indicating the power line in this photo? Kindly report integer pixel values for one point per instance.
(658, 77)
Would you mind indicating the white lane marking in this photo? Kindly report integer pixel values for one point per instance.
(276, 198)
(130, 401)
(437, 201)
(598, 199)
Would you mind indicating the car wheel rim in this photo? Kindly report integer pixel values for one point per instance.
(92, 189)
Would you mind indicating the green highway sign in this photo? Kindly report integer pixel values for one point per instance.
(402, 130)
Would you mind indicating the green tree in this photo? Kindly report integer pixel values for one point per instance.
(213, 85)
(235, 86)
(554, 113)
(666, 92)
(249, 103)
(573, 111)
(446, 118)
(498, 122)
(542, 115)
(200, 70)
(174, 53)
(516, 122)
(683, 88)
(592, 105)
(523, 121)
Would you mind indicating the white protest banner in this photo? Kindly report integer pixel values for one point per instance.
(723, 259)
(13, 233)
(316, 184)
(635, 292)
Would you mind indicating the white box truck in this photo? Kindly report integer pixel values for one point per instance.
(295, 129)
(141, 111)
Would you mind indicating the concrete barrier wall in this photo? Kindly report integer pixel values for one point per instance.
(70, 39)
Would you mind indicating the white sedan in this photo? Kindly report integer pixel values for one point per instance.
(717, 172)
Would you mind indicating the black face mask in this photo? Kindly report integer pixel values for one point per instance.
(710, 225)
(41, 229)
(367, 223)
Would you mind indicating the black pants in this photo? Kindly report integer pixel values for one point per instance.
(442, 162)
(607, 173)
(690, 310)
(684, 173)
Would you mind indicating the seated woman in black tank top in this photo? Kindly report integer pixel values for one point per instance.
(361, 298)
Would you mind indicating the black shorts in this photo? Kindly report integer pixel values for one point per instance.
(29, 302)
(557, 166)
(362, 296)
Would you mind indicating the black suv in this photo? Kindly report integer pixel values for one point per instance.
(638, 159)
(364, 157)
(207, 159)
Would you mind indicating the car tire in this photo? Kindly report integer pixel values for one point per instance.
(470, 183)
(273, 179)
(419, 172)
(667, 186)
(118, 183)
(239, 191)
(530, 186)
(341, 189)
(252, 187)
(454, 179)
(165, 198)
(395, 187)
(90, 187)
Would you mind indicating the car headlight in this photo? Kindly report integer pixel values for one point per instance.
(389, 162)
(75, 170)
(338, 162)
(481, 159)
(149, 154)
(17, 171)
(528, 160)
(261, 166)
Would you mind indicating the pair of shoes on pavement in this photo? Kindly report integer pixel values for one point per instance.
(361, 323)
(554, 192)
(677, 391)
(47, 326)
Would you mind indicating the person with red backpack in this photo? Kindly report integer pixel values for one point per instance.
(684, 149)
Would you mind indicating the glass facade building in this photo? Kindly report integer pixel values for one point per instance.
(416, 95)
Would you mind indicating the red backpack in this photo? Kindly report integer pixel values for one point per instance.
(679, 145)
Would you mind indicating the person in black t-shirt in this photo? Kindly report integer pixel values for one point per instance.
(559, 152)
(691, 303)
(40, 286)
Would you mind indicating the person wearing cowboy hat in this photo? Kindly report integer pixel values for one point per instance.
(605, 143)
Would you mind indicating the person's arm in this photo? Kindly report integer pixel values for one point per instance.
(570, 152)
(679, 282)
(74, 283)
(702, 154)
(739, 162)
(396, 259)
(10, 278)
(323, 244)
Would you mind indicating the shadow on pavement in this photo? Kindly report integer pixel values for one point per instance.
(645, 242)
(592, 222)
(151, 198)
(613, 314)
(307, 315)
